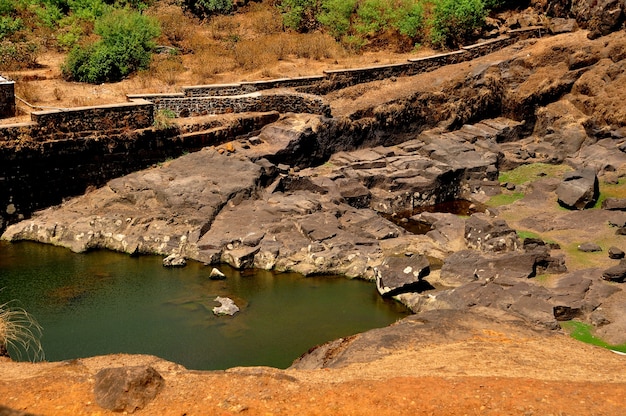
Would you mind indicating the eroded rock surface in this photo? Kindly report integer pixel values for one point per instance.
(307, 193)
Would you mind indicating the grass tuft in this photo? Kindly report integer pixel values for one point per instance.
(20, 334)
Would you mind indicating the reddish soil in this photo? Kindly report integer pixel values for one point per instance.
(489, 373)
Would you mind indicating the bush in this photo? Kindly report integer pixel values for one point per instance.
(454, 20)
(127, 39)
(18, 55)
(300, 15)
(209, 7)
(336, 16)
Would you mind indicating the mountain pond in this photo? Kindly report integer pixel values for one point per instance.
(103, 302)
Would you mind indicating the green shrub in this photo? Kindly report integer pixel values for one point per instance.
(335, 16)
(452, 21)
(410, 19)
(300, 15)
(9, 25)
(209, 7)
(18, 55)
(127, 39)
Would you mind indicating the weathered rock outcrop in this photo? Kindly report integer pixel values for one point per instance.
(306, 193)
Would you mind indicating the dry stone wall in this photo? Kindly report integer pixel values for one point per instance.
(254, 102)
(7, 98)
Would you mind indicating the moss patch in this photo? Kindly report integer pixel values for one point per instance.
(529, 173)
(583, 332)
(611, 191)
(504, 199)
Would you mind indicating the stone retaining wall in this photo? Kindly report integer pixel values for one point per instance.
(36, 174)
(254, 102)
(7, 98)
(134, 115)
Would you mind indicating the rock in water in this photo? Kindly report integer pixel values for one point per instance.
(216, 274)
(126, 389)
(174, 260)
(227, 306)
(579, 189)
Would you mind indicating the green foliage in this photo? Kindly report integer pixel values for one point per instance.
(583, 332)
(410, 19)
(9, 25)
(299, 14)
(18, 55)
(454, 20)
(127, 39)
(209, 7)
(335, 16)
(163, 119)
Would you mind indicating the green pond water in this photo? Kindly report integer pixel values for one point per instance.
(103, 302)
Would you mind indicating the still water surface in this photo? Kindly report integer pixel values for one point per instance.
(103, 302)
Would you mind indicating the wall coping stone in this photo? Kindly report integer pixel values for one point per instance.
(133, 103)
(137, 97)
(440, 55)
(485, 43)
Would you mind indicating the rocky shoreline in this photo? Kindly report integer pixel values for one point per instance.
(306, 194)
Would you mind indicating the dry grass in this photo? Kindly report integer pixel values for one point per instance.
(27, 92)
(20, 333)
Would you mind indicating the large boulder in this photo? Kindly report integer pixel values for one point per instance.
(400, 274)
(579, 190)
(127, 389)
(616, 273)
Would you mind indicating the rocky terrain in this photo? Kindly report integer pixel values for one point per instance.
(339, 195)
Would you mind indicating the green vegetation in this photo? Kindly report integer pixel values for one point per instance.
(127, 39)
(455, 20)
(19, 334)
(107, 40)
(527, 234)
(504, 199)
(583, 332)
(163, 119)
(445, 23)
(617, 190)
(209, 7)
(528, 173)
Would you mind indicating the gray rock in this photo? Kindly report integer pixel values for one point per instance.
(616, 273)
(241, 257)
(536, 310)
(400, 274)
(227, 306)
(174, 260)
(506, 268)
(579, 189)
(614, 204)
(488, 234)
(616, 253)
(589, 247)
(127, 389)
